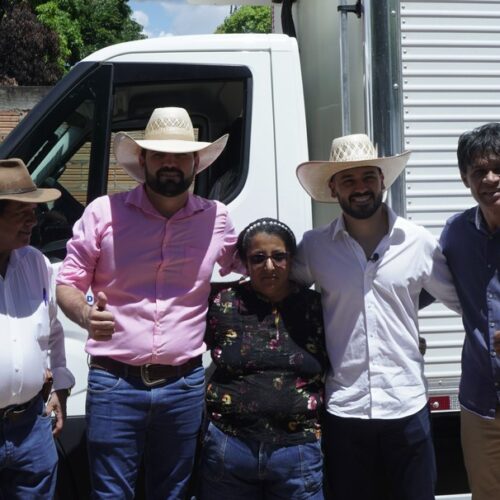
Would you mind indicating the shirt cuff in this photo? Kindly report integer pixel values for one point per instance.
(63, 378)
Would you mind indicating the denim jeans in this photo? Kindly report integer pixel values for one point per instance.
(233, 468)
(375, 459)
(128, 421)
(28, 456)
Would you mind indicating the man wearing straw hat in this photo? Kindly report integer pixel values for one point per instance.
(148, 256)
(32, 351)
(370, 266)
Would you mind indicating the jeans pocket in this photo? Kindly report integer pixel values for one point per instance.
(213, 454)
(311, 458)
(195, 379)
(101, 381)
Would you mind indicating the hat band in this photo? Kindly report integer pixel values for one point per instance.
(19, 191)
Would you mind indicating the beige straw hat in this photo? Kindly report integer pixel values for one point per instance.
(169, 130)
(350, 151)
(16, 184)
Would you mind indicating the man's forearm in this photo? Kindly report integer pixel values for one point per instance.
(73, 304)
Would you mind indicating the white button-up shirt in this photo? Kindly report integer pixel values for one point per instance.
(32, 337)
(370, 309)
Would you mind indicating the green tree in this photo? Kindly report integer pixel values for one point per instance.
(247, 20)
(69, 29)
(105, 22)
(84, 26)
(28, 49)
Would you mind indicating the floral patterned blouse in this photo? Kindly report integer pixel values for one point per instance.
(270, 363)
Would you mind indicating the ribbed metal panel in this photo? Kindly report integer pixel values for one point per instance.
(450, 53)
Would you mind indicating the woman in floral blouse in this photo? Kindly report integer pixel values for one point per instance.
(266, 393)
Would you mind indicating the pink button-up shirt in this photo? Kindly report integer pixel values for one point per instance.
(154, 271)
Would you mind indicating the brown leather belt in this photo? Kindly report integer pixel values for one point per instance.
(13, 412)
(151, 375)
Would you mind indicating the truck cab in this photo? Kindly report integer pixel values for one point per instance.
(247, 86)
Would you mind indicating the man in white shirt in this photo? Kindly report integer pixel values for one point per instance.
(370, 266)
(32, 352)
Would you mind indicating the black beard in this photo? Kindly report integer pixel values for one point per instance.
(168, 187)
(363, 212)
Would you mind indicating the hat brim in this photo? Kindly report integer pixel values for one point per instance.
(127, 151)
(41, 195)
(314, 176)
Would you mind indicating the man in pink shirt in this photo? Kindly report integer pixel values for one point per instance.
(148, 256)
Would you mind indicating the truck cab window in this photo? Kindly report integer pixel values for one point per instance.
(68, 145)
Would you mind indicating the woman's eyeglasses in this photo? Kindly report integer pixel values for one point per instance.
(279, 259)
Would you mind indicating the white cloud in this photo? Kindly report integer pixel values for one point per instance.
(191, 19)
(164, 33)
(177, 17)
(141, 17)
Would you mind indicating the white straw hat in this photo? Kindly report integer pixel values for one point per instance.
(169, 130)
(350, 151)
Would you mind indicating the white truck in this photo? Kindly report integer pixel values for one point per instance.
(415, 75)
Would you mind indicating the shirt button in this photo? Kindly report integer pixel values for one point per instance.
(493, 353)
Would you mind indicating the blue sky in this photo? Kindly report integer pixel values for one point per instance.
(177, 17)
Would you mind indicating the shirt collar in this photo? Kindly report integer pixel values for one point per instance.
(15, 256)
(139, 198)
(338, 225)
(476, 217)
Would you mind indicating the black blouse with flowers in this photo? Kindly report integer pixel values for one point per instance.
(270, 363)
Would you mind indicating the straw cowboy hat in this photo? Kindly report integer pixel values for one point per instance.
(350, 151)
(169, 130)
(16, 184)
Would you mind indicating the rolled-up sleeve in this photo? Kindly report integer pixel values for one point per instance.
(83, 249)
(228, 256)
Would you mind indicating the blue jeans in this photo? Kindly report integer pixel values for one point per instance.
(28, 456)
(379, 459)
(233, 468)
(127, 421)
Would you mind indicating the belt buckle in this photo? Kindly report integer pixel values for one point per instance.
(13, 412)
(145, 377)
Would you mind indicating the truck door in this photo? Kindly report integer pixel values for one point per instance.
(66, 143)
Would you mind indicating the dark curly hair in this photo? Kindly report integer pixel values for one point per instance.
(479, 143)
(266, 225)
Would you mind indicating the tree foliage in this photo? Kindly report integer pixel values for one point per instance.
(247, 20)
(66, 29)
(105, 22)
(69, 30)
(28, 49)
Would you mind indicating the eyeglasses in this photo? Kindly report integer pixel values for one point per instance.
(279, 259)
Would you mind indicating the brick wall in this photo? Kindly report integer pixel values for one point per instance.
(15, 104)
(8, 120)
